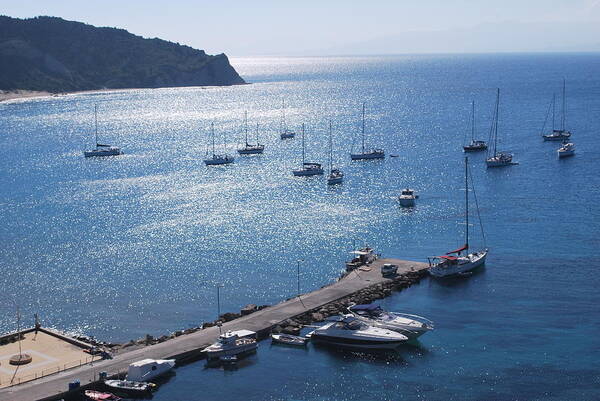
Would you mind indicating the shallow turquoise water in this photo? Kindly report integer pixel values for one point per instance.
(136, 244)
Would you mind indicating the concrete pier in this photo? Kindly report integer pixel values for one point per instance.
(187, 347)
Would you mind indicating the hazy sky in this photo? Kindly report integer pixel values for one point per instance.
(257, 27)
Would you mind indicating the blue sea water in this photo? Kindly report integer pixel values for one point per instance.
(136, 244)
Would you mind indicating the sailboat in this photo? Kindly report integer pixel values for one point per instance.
(567, 149)
(307, 168)
(285, 133)
(558, 134)
(336, 176)
(497, 159)
(101, 149)
(461, 260)
(475, 145)
(216, 159)
(366, 154)
(249, 149)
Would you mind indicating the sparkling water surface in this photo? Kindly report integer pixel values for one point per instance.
(129, 245)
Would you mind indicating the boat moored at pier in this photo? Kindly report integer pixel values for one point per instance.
(412, 326)
(232, 343)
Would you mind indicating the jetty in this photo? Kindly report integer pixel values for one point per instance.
(365, 282)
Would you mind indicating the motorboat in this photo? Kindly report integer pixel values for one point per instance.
(461, 260)
(288, 339)
(475, 145)
(496, 158)
(307, 168)
(407, 197)
(389, 269)
(351, 332)
(100, 396)
(217, 159)
(248, 148)
(366, 154)
(412, 326)
(361, 257)
(129, 386)
(566, 150)
(148, 369)
(561, 134)
(232, 343)
(101, 149)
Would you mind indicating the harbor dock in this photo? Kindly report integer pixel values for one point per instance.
(188, 347)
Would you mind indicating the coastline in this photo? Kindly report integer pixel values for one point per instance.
(22, 94)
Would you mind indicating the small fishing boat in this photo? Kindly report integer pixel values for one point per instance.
(561, 134)
(336, 176)
(475, 145)
(101, 149)
(411, 326)
(232, 343)
(216, 159)
(566, 150)
(361, 257)
(496, 158)
(129, 386)
(285, 133)
(288, 339)
(366, 154)
(250, 149)
(407, 197)
(100, 396)
(307, 168)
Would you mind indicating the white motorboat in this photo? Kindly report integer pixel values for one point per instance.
(336, 176)
(217, 159)
(351, 332)
(308, 168)
(460, 260)
(366, 154)
(148, 369)
(288, 339)
(566, 150)
(129, 386)
(407, 197)
(412, 326)
(561, 134)
(232, 343)
(248, 148)
(285, 132)
(475, 145)
(101, 149)
(496, 158)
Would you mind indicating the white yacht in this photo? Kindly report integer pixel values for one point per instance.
(566, 150)
(366, 154)
(336, 176)
(307, 168)
(461, 260)
(250, 149)
(561, 134)
(496, 158)
(148, 369)
(285, 132)
(475, 145)
(232, 343)
(101, 149)
(407, 197)
(412, 326)
(350, 332)
(216, 159)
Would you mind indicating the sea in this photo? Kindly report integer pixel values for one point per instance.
(121, 247)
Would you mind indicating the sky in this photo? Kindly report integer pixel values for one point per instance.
(338, 27)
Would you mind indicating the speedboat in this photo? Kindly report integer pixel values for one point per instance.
(148, 369)
(103, 150)
(309, 169)
(232, 343)
(566, 150)
(100, 396)
(288, 339)
(412, 326)
(129, 386)
(219, 159)
(407, 197)
(350, 332)
(336, 176)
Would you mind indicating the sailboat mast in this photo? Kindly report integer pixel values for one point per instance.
(96, 122)
(564, 108)
(496, 122)
(553, 110)
(284, 127)
(257, 133)
(467, 202)
(473, 121)
(330, 149)
(246, 125)
(212, 132)
(302, 145)
(363, 128)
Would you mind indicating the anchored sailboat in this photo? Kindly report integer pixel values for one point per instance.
(101, 149)
(497, 159)
(285, 133)
(216, 159)
(558, 134)
(366, 154)
(454, 262)
(336, 176)
(248, 148)
(475, 145)
(307, 168)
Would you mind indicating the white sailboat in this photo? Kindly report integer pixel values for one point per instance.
(101, 149)
(558, 134)
(285, 133)
(460, 260)
(336, 176)
(475, 145)
(250, 149)
(307, 168)
(216, 159)
(497, 159)
(366, 154)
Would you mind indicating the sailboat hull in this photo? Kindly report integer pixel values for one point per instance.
(367, 156)
(463, 265)
(254, 150)
(219, 160)
(113, 151)
(336, 180)
(307, 172)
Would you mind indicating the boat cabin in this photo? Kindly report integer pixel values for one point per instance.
(361, 257)
(147, 369)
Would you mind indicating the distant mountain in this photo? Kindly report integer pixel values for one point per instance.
(55, 55)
